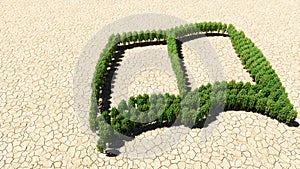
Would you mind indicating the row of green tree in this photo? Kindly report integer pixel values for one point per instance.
(166, 109)
(99, 77)
(179, 31)
(272, 93)
(176, 66)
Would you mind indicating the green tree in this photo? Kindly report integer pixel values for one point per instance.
(173, 112)
(139, 100)
(203, 111)
(153, 99)
(117, 39)
(209, 27)
(191, 99)
(231, 102)
(134, 36)
(205, 27)
(126, 125)
(219, 27)
(131, 102)
(106, 116)
(152, 35)
(152, 116)
(133, 114)
(275, 94)
(129, 37)
(141, 36)
(189, 117)
(260, 105)
(159, 35)
(123, 38)
(93, 113)
(240, 103)
(161, 115)
(105, 134)
(164, 35)
(147, 35)
(122, 106)
(266, 91)
(278, 106)
(114, 112)
(186, 116)
(270, 108)
(224, 27)
(117, 127)
(291, 116)
(143, 117)
(214, 26)
(251, 99)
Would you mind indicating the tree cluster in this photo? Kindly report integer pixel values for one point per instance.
(267, 96)
(271, 98)
(99, 76)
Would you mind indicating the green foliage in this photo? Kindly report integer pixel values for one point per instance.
(175, 62)
(105, 134)
(191, 100)
(114, 112)
(93, 115)
(219, 27)
(268, 96)
(153, 99)
(224, 28)
(152, 115)
(134, 36)
(260, 105)
(141, 36)
(122, 106)
(133, 114)
(106, 116)
(243, 96)
(117, 39)
(159, 35)
(99, 77)
(152, 35)
(203, 111)
(147, 35)
(132, 102)
(189, 117)
(231, 101)
(292, 115)
(161, 115)
(127, 125)
(123, 38)
(269, 109)
(129, 37)
(143, 103)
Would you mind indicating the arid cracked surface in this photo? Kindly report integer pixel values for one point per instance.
(40, 45)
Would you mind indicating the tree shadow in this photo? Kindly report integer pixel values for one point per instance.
(109, 80)
(182, 64)
(294, 124)
(199, 35)
(120, 138)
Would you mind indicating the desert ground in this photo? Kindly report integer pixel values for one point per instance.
(44, 49)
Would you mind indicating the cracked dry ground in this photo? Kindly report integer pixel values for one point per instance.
(40, 44)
